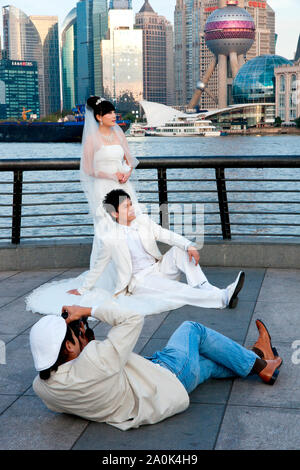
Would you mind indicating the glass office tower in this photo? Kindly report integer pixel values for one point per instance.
(91, 29)
(35, 38)
(47, 28)
(69, 60)
(19, 88)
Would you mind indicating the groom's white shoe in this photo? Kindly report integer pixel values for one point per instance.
(234, 289)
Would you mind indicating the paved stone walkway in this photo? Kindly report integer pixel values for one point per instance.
(223, 414)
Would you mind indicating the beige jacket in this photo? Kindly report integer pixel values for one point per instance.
(108, 383)
(115, 248)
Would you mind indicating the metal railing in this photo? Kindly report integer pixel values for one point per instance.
(242, 196)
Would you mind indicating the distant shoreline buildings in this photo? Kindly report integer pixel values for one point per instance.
(35, 38)
(105, 49)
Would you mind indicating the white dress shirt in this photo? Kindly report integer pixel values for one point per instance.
(139, 257)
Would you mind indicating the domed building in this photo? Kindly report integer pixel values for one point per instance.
(255, 81)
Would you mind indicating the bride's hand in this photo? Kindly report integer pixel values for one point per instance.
(126, 177)
(120, 176)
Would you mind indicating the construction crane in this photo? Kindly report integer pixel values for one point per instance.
(24, 113)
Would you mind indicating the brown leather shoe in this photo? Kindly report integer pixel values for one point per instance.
(264, 342)
(270, 373)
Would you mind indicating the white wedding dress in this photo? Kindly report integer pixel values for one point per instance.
(49, 298)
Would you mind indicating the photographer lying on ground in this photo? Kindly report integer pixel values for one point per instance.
(105, 381)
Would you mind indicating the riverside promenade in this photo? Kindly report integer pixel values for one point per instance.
(223, 414)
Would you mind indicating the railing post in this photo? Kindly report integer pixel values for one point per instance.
(17, 208)
(223, 203)
(163, 197)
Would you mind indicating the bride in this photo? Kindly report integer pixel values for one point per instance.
(106, 164)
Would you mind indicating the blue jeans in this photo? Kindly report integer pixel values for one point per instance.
(195, 354)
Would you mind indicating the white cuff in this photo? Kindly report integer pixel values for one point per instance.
(93, 311)
(188, 244)
(81, 290)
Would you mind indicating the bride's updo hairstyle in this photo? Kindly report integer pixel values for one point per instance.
(100, 106)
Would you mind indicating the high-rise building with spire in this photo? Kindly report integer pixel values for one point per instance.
(158, 62)
(35, 38)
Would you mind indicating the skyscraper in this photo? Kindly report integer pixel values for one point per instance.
(19, 88)
(69, 60)
(91, 29)
(264, 18)
(100, 29)
(187, 18)
(122, 57)
(47, 28)
(158, 63)
(35, 38)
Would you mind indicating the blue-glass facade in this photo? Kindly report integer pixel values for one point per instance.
(69, 60)
(92, 26)
(35, 38)
(84, 41)
(120, 4)
(19, 89)
(255, 81)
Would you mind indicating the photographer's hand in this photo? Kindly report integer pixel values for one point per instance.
(75, 312)
(83, 340)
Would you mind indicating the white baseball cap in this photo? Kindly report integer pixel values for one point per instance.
(46, 338)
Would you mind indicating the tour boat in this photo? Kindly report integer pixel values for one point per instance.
(186, 127)
(136, 130)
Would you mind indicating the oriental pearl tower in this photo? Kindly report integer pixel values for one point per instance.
(229, 33)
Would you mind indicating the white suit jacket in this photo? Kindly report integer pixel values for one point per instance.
(109, 383)
(114, 247)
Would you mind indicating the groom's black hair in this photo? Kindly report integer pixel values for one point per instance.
(113, 199)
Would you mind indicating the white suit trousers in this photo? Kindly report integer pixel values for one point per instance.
(162, 278)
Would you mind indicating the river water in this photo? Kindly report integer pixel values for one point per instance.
(283, 206)
(165, 146)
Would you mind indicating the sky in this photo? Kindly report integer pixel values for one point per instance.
(287, 16)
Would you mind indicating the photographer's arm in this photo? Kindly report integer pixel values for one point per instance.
(113, 353)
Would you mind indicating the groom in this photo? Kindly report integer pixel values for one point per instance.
(142, 269)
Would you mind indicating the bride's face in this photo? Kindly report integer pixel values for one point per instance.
(108, 120)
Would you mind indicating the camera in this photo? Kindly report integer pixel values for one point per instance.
(76, 327)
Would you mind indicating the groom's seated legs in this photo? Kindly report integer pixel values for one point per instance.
(177, 261)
